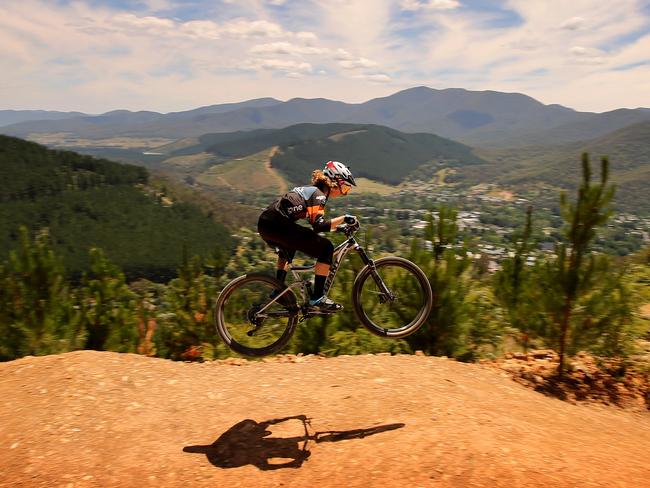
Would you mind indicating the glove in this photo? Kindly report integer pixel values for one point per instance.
(350, 219)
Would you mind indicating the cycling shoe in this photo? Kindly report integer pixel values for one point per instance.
(324, 305)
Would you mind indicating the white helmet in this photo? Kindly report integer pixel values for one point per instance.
(339, 173)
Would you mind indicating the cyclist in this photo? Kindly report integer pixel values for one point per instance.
(277, 226)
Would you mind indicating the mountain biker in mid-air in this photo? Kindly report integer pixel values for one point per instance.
(277, 226)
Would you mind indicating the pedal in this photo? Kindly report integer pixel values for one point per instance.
(316, 311)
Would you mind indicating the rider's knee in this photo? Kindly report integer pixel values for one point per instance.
(326, 252)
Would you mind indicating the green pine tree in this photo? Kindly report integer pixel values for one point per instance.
(516, 288)
(446, 329)
(576, 271)
(37, 315)
(186, 315)
(108, 307)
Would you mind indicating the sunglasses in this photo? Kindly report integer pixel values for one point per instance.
(344, 188)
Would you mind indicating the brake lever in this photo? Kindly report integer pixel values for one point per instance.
(348, 229)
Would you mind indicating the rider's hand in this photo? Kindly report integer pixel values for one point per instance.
(350, 219)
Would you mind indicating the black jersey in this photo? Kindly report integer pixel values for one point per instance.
(304, 202)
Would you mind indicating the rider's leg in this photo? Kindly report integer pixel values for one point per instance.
(294, 237)
(323, 250)
(318, 300)
(322, 270)
(281, 269)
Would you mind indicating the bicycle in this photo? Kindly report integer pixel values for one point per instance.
(256, 314)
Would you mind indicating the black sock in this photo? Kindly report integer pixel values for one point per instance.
(280, 274)
(319, 285)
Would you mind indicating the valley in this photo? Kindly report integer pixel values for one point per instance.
(516, 152)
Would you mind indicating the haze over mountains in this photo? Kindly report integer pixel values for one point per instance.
(505, 138)
(477, 118)
(8, 117)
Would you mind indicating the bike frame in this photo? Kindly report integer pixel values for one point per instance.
(340, 252)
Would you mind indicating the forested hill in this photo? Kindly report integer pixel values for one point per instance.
(628, 150)
(375, 152)
(86, 202)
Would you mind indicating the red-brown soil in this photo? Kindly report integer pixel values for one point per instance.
(623, 383)
(99, 419)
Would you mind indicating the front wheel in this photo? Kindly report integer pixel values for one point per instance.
(393, 298)
(250, 320)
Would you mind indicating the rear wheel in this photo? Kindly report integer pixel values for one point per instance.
(394, 299)
(249, 321)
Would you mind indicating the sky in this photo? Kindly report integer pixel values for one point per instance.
(170, 55)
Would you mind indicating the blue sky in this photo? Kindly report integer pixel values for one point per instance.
(168, 55)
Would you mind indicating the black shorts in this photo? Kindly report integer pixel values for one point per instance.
(279, 231)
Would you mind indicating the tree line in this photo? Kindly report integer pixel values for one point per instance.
(87, 202)
(574, 299)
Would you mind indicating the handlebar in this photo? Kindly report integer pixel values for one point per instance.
(348, 229)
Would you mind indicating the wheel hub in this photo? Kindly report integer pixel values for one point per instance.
(252, 317)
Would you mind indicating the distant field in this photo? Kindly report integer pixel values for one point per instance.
(55, 139)
(365, 185)
(248, 174)
(192, 161)
(439, 177)
(177, 145)
(502, 195)
(342, 135)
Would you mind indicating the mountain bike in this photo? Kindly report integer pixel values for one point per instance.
(256, 314)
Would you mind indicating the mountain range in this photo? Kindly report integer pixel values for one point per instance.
(8, 117)
(477, 118)
(506, 138)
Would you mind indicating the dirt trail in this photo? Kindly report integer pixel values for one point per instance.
(99, 419)
(282, 185)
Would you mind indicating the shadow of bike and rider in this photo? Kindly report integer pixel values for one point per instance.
(251, 442)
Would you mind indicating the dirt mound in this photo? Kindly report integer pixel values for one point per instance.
(625, 384)
(104, 419)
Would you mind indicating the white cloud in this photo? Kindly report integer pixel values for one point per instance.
(201, 29)
(285, 65)
(527, 43)
(588, 56)
(306, 37)
(147, 24)
(287, 48)
(532, 54)
(415, 5)
(257, 28)
(342, 55)
(140, 26)
(634, 53)
(77, 55)
(376, 78)
(357, 27)
(357, 63)
(578, 51)
(158, 5)
(573, 23)
(593, 60)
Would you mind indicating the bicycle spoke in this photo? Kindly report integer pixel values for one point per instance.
(404, 304)
(251, 322)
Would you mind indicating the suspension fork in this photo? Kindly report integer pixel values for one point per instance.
(386, 294)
